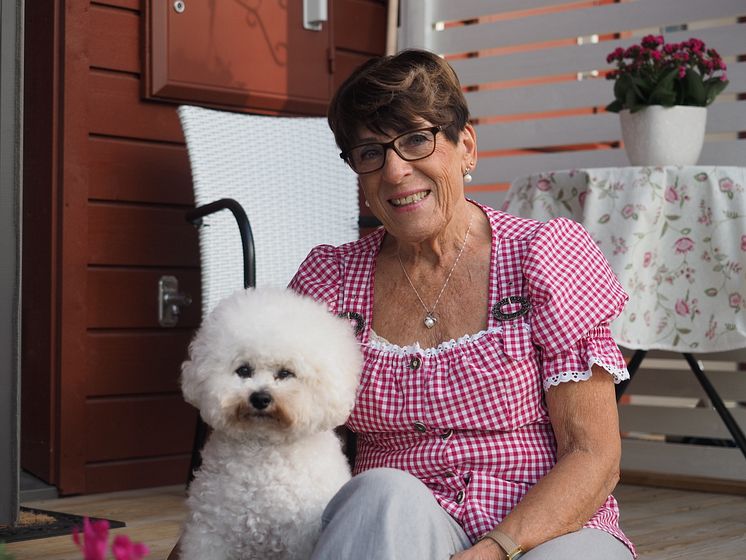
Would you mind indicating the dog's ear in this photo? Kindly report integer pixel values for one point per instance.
(191, 383)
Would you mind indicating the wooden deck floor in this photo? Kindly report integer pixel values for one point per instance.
(664, 524)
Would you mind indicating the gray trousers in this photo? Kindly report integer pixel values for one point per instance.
(387, 514)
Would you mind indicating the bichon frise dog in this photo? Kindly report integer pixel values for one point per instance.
(272, 373)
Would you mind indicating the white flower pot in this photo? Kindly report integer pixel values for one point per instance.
(660, 135)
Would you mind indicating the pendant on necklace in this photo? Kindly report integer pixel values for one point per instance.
(430, 321)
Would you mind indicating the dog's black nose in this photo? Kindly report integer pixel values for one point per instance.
(260, 400)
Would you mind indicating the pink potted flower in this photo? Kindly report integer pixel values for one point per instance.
(95, 540)
(661, 91)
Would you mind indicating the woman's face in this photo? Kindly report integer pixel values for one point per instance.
(415, 200)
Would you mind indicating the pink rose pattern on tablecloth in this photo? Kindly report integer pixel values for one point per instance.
(675, 238)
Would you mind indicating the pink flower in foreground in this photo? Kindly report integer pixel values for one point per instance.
(95, 539)
(681, 307)
(726, 185)
(628, 210)
(683, 245)
(735, 300)
(124, 549)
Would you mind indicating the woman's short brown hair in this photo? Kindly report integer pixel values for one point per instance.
(395, 93)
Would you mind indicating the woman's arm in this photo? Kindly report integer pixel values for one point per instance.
(586, 425)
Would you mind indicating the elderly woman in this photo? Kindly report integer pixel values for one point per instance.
(486, 419)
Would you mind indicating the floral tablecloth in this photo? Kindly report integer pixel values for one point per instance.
(675, 237)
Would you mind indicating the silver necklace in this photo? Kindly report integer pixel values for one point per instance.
(430, 318)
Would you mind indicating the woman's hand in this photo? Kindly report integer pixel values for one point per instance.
(483, 550)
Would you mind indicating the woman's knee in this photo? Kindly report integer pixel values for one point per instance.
(378, 490)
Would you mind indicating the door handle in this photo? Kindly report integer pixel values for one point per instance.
(170, 301)
(314, 14)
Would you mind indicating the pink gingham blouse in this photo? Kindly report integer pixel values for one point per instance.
(468, 416)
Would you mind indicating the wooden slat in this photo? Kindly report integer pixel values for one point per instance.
(673, 383)
(139, 171)
(589, 129)
(448, 10)
(127, 362)
(124, 298)
(729, 39)
(360, 38)
(138, 427)
(674, 421)
(117, 110)
(680, 459)
(114, 39)
(134, 235)
(123, 475)
(596, 92)
(506, 169)
(609, 18)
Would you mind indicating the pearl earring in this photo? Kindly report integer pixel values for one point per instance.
(367, 204)
(467, 176)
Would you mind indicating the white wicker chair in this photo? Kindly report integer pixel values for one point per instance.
(284, 172)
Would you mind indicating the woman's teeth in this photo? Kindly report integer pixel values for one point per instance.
(409, 199)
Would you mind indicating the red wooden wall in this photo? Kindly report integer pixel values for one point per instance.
(107, 183)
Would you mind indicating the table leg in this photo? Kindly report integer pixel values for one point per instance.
(717, 402)
(632, 368)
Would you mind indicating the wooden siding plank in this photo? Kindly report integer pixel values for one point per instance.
(680, 459)
(117, 110)
(554, 61)
(610, 18)
(114, 368)
(126, 428)
(361, 38)
(448, 10)
(674, 383)
(134, 235)
(114, 39)
(506, 169)
(125, 170)
(146, 473)
(116, 296)
(597, 92)
(589, 129)
(675, 421)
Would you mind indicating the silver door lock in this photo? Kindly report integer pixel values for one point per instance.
(170, 301)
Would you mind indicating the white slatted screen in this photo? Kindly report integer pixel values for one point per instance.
(520, 62)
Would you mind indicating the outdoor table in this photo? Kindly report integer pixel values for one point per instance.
(676, 239)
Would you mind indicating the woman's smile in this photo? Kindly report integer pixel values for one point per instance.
(408, 200)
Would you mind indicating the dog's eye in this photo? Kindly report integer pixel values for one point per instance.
(244, 371)
(284, 374)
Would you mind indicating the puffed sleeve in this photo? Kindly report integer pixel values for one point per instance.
(574, 296)
(319, 276)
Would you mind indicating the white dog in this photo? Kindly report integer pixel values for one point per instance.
(272, 373)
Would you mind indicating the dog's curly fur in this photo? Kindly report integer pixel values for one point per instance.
(272, 373)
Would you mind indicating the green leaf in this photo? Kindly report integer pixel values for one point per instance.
(615, 106)
(684, 331)
(712, 292)
(663, 93)
(686, 231)
(672, 217)
(694, 89)
(714, 87)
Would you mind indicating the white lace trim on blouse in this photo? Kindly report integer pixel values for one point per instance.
(379, 343)
(617, 374)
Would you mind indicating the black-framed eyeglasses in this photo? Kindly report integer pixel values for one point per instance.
(410, 146)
